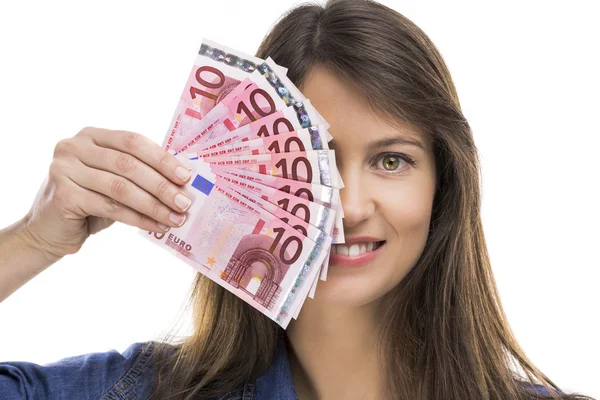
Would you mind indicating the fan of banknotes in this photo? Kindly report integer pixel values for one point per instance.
(264, 188)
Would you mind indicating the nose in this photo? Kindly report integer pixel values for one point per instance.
(357, 198)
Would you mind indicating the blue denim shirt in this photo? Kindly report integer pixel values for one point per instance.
(115, 376)
(127, 376)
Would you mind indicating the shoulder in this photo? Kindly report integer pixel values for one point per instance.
(93, 376)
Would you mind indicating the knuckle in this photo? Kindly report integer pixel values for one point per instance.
(142, 220)
(118, 188)
(125, 163)
(165, 160)
(59, 168)
(113, 206)
(64, 147)
(86, 131)
(133, 141)
(162, 187)
(156, 209)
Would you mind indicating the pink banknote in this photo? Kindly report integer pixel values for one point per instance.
(312, 213)
(285, 120)
(320, 194)
(251, 100)
(244, 248)
(299, 216)
(324, 218)
(280, 122)
(216, 72)
(312, 138)
(315, 166)
(265, 187)
(306, 229)
(256, 256)
(317, 235)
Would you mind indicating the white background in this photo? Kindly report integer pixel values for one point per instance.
(527, 78)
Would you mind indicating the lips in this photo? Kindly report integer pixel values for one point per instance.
(356, 252)
(356, 249)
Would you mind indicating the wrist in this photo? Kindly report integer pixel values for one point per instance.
(30, 242)
(21, 257)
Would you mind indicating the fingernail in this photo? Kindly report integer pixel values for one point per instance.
(163, 227)
(182, 202)
(183, 173)
(177, 219)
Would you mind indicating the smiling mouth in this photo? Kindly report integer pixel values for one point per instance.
(356, 249)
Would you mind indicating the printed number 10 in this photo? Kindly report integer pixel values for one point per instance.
(195, 91)
(284, 246)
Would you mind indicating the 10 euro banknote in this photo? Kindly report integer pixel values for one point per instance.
(265, 185)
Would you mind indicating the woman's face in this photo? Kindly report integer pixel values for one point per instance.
(387, 200)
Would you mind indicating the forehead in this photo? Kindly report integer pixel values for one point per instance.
(344, 106)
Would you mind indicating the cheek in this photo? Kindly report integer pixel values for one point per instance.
(407, 211)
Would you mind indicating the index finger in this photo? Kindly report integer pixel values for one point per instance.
(144, 150)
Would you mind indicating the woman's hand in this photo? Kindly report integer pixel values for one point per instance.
(100, 176)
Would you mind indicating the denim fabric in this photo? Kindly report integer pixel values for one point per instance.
(115, 376)
(106, 376)
(127, 376)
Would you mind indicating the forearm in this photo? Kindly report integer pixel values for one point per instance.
(20, 259)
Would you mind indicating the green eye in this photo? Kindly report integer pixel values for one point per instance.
(391, 163)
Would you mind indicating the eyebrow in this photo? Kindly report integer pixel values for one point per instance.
(395, 140)
(377, 144)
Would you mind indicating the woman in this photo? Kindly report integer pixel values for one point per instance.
(419, 318)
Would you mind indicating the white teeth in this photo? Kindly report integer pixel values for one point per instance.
(343, 250)
(354, 250)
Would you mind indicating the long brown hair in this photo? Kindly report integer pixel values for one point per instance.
(444, 335)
